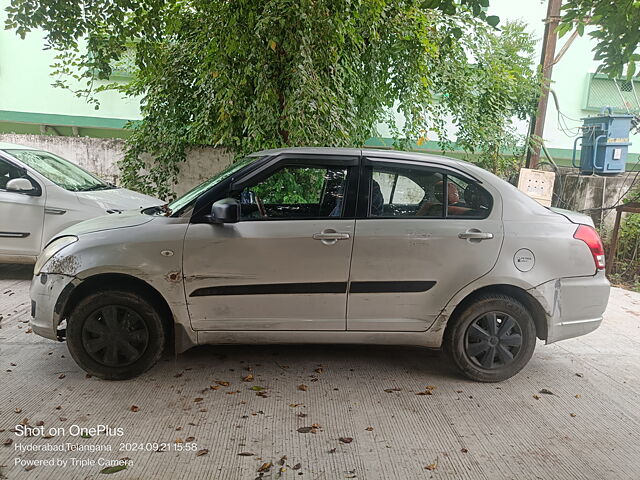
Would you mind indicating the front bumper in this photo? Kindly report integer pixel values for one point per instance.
(574, 305)
(48, 293)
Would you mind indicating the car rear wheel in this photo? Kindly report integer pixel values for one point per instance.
(491, 339)
(115, 335)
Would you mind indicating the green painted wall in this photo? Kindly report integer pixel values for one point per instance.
(25, 87)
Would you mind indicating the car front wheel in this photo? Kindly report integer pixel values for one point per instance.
(491, 339)
(115, 335)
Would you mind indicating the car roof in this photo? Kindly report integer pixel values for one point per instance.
(14, 146)
(366, 152)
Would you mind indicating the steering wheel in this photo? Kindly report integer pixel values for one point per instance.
(261, 210)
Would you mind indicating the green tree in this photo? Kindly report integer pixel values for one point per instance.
(616, 31)
(248, 75)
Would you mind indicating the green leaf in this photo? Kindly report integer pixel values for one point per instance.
(493, 20)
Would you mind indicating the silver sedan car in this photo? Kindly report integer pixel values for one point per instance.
(317, 245)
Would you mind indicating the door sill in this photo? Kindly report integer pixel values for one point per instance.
(262, 337)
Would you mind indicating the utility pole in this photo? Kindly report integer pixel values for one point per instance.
(546, 61)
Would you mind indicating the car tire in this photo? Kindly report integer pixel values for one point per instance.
(115, 335)
(491, 339)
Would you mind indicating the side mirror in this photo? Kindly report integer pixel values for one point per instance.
(22, 185)
(226, 210)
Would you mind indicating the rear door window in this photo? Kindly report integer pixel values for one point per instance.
(411, 191)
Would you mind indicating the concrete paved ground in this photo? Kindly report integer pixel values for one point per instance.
(588, 428)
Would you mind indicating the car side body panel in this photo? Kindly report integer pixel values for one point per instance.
(554, 272)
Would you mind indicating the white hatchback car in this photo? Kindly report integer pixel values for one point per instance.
(42, 194)
(326, 246)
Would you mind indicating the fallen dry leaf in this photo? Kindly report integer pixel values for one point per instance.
(537, 397)
(426, 392)
(62, 375)
(546, 391)
(18, 410)
(333, 450)
(572, 414)
(248, 378)
(224, 384)
(134, 408)
(113, 469)
(294, 405)
(319, 370)
(7, 442)
(246, 454)
(369, 429)
(578, 396)
(202, 452)
(282, 460)
(430, 387)
(265, 467)
(297, 466)
(464, 450)
(178, 440)
(305, 429)
(190, 439)
(62, 419)
(39, 423)
(303, 387)
(432, 466)
(28, 468)
(346, 439)
(198, 399)
(391, 390)
(579, 375)
(57, 408)
(214, 387)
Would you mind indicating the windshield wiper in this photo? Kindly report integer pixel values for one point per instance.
(95, 186)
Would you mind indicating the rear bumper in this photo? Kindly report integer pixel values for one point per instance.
(48, 293)
(574, 305)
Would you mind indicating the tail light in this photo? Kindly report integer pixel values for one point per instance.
(589, 236)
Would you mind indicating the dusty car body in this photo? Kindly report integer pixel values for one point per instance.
(400, 248)
(41, 194)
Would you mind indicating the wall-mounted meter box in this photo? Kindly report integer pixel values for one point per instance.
(605, 144)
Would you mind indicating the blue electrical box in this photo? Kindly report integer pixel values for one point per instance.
(605, 144)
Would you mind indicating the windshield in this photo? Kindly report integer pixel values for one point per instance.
(60, 171)
(194, 193)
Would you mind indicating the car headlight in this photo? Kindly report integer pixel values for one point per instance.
(51, 249)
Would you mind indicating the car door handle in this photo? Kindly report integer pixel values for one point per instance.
(54, 211)
(475, 234)
(330, 236)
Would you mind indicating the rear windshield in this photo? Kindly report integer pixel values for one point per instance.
(60, 171)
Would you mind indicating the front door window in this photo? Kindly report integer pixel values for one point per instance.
(296, 192)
